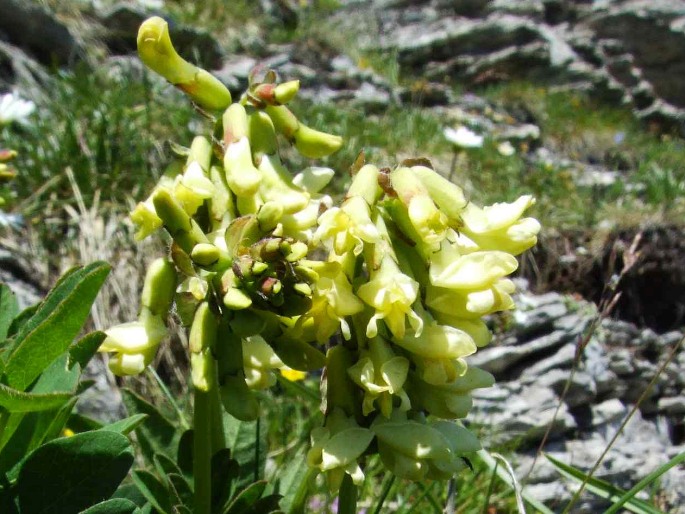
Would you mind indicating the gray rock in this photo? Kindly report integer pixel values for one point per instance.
(608, 411)
(562, 359)
(621, 362)
(121, 24)
(497, 359)
(17, 276)
(674, 406)
(581, 388)
(38, 32)
(533, 321)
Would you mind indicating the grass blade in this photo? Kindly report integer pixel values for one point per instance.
(603, 489)
(629, 496)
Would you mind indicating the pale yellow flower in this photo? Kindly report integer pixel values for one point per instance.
(471, 305)
(348, 227)
(336, 448)
(381, 374)
(259, 361)
(501, 227)
(391, 293)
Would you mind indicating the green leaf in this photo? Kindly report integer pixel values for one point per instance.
(20, 431)
(157, 434)
(19, 321)
(629, 497)
(113, 506)
(225, 471)
(184, 453)
(9, 308)
(83, 350)
(165, 466)
(126, 425)
(246, 498)
(80, 423)
(182, 489)
(248, 443)
(602, 488)
(292, 479)
(54, 326)
(73, 473)
(153, 490)
(129, 491)
(56, 426)
(18, 401)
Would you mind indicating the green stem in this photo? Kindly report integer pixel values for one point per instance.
(217, 424)
(202, 451)
(347, 499)
(389, 481)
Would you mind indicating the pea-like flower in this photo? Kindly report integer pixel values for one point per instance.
(259, 361)
(451, 400)
(332, 300)
(391, 293)
(381, 374)
(501, 227)
(134, 344)
(193, 187)
(348, 227)
(472, 271)
(471, 305)
(336, 448)
(408, 448)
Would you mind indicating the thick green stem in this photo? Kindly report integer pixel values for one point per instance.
(347, 500)
(202, 454)
(217, 425)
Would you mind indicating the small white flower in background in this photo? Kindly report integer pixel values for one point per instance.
(506, 149)
(463, 137)
(13, 108)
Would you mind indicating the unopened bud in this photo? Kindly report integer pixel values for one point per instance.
(269, 215)
(203, 331)
(158, 54)
(286, 91)
(205, 254)
(159, 288)
(234, 121)
(284, 120)
(236, 299)
(315, 144)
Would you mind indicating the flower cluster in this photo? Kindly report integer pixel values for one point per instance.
(432, 265)
(386, 290)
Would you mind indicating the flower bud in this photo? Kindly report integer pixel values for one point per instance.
(284, 120)
(203, 331)
(158, 54)
(241, 175)
(236, 299)
(286, 91)
(315, 144)
(262, 135)
(159, 287)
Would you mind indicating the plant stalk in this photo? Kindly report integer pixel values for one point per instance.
(202, 451)
(347, 499)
